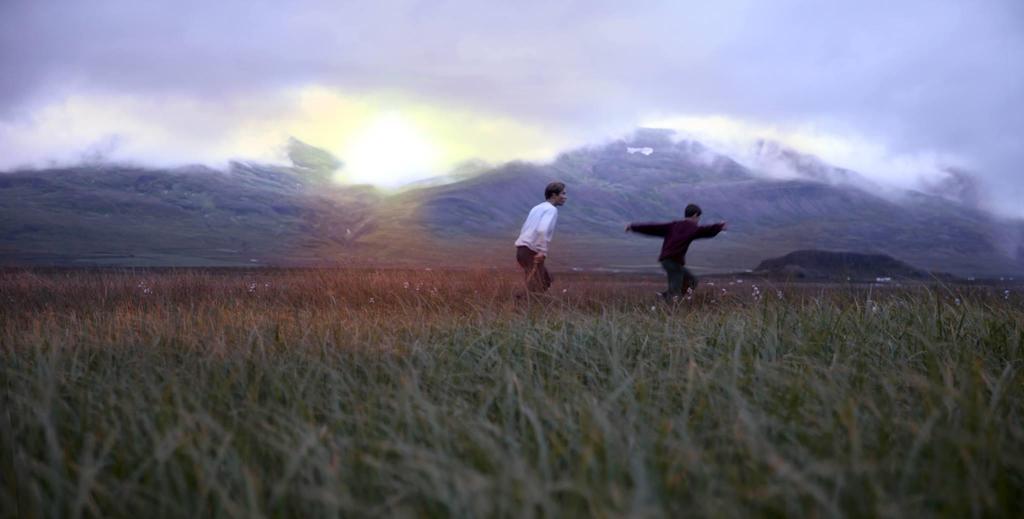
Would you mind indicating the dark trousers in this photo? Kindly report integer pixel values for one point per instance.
(537, 277)
(680, 278)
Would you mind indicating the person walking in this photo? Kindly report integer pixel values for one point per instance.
(535, 236)
(678, 235)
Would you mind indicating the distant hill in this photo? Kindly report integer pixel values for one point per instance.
(259, 214)
(612, 184)
(833, 265)
(124, 215)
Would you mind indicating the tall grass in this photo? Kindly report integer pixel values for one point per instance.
(370, 393)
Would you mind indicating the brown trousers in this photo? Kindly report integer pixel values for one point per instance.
(537, 277)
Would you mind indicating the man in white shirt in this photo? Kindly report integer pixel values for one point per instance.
(532, 245)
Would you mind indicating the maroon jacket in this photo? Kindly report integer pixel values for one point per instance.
(678, 235)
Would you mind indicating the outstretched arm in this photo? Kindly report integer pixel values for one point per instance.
(651, 229)
(710, 231)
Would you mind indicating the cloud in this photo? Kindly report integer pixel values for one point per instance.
(918, 82)
(162, 131)
(384, 139)
(742, 140)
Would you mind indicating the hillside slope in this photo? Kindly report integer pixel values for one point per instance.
(613, 184)
(257, 214)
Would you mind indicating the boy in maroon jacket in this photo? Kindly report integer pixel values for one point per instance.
(678, 234)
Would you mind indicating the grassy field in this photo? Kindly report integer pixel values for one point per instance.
(423, 393)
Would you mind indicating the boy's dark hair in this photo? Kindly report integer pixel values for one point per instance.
(554, 188)
(692, 210)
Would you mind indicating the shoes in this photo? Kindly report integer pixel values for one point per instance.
(669, 299)
(675, 298)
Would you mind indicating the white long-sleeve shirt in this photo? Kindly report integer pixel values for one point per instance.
(539, 227)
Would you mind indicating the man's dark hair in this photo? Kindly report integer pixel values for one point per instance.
(554, 188)
(692, 210)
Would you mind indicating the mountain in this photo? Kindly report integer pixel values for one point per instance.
(123, 215)
(259, 214)
(317, 164)
(781, 162)
(612, 184)
(956, 185)
(839, 266)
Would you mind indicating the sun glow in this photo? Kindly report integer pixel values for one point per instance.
(388, 140)
(390, 151)
(384, 139)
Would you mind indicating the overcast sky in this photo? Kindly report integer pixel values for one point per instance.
(896, 90)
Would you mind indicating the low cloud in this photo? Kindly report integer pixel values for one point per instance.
(766, 150)
(384, 139)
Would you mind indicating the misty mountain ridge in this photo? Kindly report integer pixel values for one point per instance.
(778, 161)
(296, 215)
